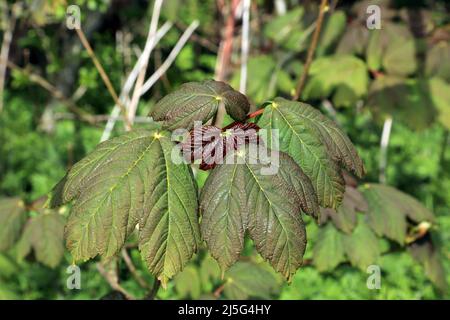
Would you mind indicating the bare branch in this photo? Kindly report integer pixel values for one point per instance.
(132, 107)
(310, 55)
(224, 56)
(245, 44)
(129, 84)
(4, 53)
(55, 92)
(103, 74)
(126, 257)
(171, 58)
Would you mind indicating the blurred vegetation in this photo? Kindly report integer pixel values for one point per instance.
(358, 77)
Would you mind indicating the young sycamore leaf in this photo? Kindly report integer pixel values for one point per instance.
(250, 280)
(12, 219)
(239, 197)
(44, 234)
(388, 209)
(328, 252)
(316, 144)
(425, 252)
(345, 217)
(128, 180)
(362, 246)
(199, 101)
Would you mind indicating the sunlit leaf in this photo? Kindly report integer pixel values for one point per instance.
(198, 101)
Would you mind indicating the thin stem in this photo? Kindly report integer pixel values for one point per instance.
(311, 49)
(55, 92)
(384, 148)
(103, 75)
(129, 263)
(132, 107)
(129, 84)
(224, 56)
(154, 291)
(4, 52)
(171, 58)
(245, 44)
(255, 114)
(110, 275)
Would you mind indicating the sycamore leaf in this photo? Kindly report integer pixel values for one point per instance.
(240, 196)
(209, 272)
(362, 246)
(388, 209)
(407, 100)
(12, 219)
(437, 63)
(326, 76)
(425, 252)
(334, 26)
(128, 180)
(315, 143)
(392, 49)
(354, 40)
(188, 284)
(345, 217)
(210, 144)
(287, 30)
(250, 280)
(440, 95)
(198, 101)
(44, 234)
(328, 252)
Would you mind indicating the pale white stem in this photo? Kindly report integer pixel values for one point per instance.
(129, 84)
(171, 58)
(385, 135)
(280, 7)
(147, 51)
(4, 53)
(245, 44)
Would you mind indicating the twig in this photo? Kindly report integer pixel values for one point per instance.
(132, 107)
(129, 84)
(383, 148)
(4, 53)
(204, 42)
(154, 291)
(245, 44)
(133, 270)
(103, 74)
(111, 277)
(171, 58)
(55, 92)
(224, 56)
(100, 118)
(311, 49)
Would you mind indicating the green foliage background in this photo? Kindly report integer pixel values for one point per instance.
(36, 147)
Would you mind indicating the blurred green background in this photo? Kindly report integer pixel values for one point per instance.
(359, 77)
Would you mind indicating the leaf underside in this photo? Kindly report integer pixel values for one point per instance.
(239, 197)
(126, 181)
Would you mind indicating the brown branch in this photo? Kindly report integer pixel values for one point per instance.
(129, 263)
(224, 56)
(154, 291)
(311, 49)
(110, 275)
(103, 75)
(4, 51)
(55, 92)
